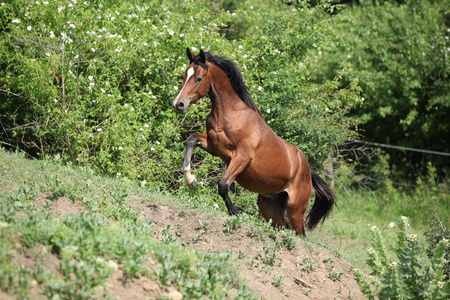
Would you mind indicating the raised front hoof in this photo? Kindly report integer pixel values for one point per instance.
(234, 210)
(193, 184)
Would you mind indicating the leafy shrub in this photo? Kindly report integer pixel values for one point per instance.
(436, 232)
(398, 51)
(94, 82)
(410, 277)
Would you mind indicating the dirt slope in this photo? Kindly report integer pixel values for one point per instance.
(297, 283)
(302, 273)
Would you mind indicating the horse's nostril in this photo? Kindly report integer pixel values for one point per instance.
(180, 105)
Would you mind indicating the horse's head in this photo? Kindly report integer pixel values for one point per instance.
(196, 82)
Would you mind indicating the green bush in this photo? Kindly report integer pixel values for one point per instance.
(408, 277)
(398, 51)
(94, 82)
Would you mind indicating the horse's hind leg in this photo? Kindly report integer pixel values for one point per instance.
(273, 208)
(193, 141)
(297, 204)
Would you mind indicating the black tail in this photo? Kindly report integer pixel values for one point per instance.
(325, 199)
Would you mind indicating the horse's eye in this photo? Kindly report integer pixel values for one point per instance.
(198, 79)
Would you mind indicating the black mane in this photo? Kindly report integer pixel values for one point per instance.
(235, 77)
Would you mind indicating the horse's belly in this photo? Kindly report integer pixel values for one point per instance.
(266, 179)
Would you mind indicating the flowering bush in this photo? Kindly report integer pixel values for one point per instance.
(94, 82)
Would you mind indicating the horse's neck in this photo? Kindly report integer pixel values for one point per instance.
(224, 100)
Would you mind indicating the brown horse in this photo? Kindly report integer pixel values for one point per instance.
(256, 157)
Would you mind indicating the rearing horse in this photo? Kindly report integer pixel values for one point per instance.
(256, 157)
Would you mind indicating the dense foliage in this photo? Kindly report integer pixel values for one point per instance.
(94, 81)
(399, 52)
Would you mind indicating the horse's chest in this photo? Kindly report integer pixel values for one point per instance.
(221, 142)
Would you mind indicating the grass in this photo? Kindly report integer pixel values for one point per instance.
(108, 235)
(347, 230)
(91, 245)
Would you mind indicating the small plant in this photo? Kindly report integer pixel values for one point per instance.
(232, 224)
(289, 239)
(306, 291)
(310, 264)
(205, 225)
(335, 274)
(436, 232)
(166, 236)
(278, 282)
(268, 255)
(410, 277)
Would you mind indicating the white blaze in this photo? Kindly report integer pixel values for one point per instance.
(190, 72)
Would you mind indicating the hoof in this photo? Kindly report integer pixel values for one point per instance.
(234, 210)
(192, 184)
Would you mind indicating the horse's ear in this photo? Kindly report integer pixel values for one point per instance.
(190, 55)
(202, 56)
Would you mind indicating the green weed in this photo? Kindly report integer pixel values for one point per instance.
(408, 277)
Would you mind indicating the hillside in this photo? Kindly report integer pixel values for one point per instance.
(69, 233)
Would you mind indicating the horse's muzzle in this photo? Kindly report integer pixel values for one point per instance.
(180, 107)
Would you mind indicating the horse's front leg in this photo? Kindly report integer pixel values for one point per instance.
(193, 141)
(237, 164)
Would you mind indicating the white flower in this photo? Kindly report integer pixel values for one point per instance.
(91, 85)
(167, 59)
(103, 91)
(259, 88)
(153, 149)
(241, 47)
(146, 125)
(29, 28)
(194, 49)
(145, 44)
(143, 182)
(393, 265)
(268, 110)
(72, 26)
(99, 129)
(175, 88)
(181, 35)
(15, 21)
(171, 32)
(60, 9)
(120, 148)
(157, 142)
(52, 35)
(90, 78)
(92, 49)
(125, 105)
